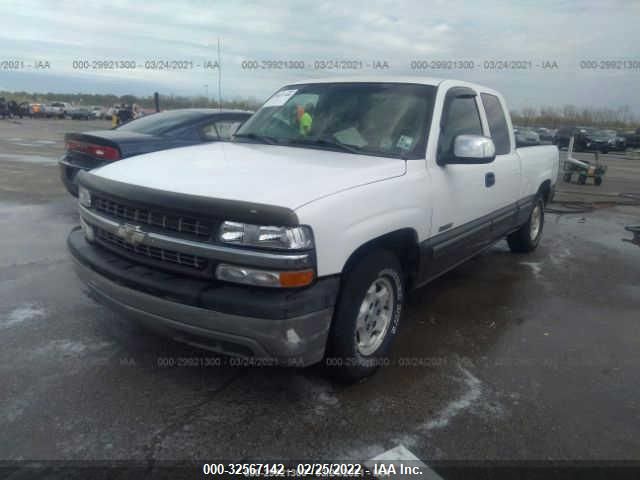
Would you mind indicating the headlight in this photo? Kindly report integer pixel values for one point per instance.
(84, 197)
(282, 238)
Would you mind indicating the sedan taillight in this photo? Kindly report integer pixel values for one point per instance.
(98, 151)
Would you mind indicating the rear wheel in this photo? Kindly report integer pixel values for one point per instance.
(526, 238)
(367, 316)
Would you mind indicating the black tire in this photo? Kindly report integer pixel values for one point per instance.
(523, 240)
(345, 360)
(582, 179)
(567, 177)
(597, 181)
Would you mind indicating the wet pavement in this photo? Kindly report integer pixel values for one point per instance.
(507, 357)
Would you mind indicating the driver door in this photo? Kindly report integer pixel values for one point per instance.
(459, 192)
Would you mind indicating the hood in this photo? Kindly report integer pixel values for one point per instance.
(267, 174)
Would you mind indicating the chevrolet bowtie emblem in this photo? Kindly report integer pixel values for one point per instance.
(131, 234)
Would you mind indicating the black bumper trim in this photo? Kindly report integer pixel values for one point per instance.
(208, 294)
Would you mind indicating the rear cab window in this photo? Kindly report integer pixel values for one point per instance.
(497, 121)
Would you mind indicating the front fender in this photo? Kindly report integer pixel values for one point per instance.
(345, 221)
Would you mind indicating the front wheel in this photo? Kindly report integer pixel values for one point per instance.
(367, 316)
(527, 237)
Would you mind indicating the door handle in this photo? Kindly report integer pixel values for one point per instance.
(489, 179)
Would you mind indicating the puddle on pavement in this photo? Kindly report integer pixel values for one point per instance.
(39, 159)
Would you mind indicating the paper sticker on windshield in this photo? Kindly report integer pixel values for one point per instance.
(280, 98)
(404, 142)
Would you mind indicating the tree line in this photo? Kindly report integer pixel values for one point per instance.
(167, 102)
(570, 115)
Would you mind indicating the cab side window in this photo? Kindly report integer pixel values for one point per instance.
(226, 128)
(220, 129)
(460, 117)
(497, 123)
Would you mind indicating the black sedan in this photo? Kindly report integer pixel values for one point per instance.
(579, 134)
(160, 131)
(604, 141)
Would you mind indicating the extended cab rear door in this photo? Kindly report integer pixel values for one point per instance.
(506, 167)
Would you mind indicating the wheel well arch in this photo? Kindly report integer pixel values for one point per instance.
(403, 243)
(545, 191)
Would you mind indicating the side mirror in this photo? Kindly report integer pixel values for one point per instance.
(472, 149)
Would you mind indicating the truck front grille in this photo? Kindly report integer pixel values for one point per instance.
(159, 254)
(162, 220)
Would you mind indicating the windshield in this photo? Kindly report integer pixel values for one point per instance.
(386, 119)
(160, 123)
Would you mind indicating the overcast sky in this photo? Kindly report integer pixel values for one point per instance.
(563, 31)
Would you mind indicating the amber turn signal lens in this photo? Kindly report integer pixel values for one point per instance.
(299, 278)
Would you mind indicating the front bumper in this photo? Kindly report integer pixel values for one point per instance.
(284, 328)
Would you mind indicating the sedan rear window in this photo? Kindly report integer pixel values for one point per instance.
(160, 123)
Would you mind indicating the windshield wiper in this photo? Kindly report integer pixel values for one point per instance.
(321, 142)
(260, 138)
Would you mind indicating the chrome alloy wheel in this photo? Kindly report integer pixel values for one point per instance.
(374, 316)
(535, 223)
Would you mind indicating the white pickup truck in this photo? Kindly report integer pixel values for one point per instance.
(297, 242)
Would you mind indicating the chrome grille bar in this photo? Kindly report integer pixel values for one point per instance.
(146, 216)
(152, 252)
(240, 256)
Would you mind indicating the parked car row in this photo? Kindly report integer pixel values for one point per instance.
(526, 137)
(530, 136)
(13, 109)
(51, 110)
(591, 139)
(586, 139)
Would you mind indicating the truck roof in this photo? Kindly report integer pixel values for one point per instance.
(373, 79)
(420, 80)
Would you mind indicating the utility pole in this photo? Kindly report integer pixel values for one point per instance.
(206, 92)
(219, 78)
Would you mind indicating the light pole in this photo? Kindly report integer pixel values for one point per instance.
(219, 78)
